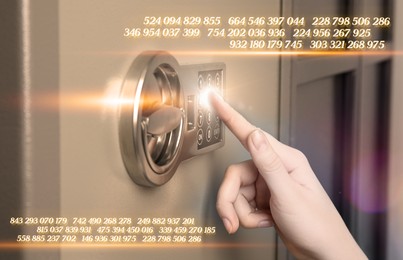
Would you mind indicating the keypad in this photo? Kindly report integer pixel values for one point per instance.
(209, 126)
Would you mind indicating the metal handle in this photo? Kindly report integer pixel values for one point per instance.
(164, 120)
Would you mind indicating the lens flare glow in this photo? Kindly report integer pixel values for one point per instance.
(204, 100)
(307, 53)
(119, 246)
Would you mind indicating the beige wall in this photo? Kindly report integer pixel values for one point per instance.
(395, 218)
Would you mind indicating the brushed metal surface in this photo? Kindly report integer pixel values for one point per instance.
(94, 58)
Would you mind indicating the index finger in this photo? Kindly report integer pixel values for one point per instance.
(241, 128)
(236, 123)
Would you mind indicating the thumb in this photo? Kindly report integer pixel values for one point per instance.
(269, 164)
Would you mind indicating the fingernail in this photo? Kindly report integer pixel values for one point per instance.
(228, 225)
(259, 140)
(265, 224)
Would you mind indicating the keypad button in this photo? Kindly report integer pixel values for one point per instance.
(200, 82)
(208, 134)
(217, 131)
(200, 118)
(200, 137)
(208, 117)
(209, 80)
(217, 80)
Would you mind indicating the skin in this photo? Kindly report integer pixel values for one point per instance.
(277, 187)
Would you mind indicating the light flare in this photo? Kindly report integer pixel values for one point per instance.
(16, 245)
(204, 100)
(251, 53)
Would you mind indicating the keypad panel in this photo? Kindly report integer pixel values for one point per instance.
(209, 125)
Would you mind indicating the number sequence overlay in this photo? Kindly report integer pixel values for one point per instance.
(270, 33)
(110, 230)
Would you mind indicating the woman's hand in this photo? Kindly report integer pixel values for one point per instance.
(278, 188)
